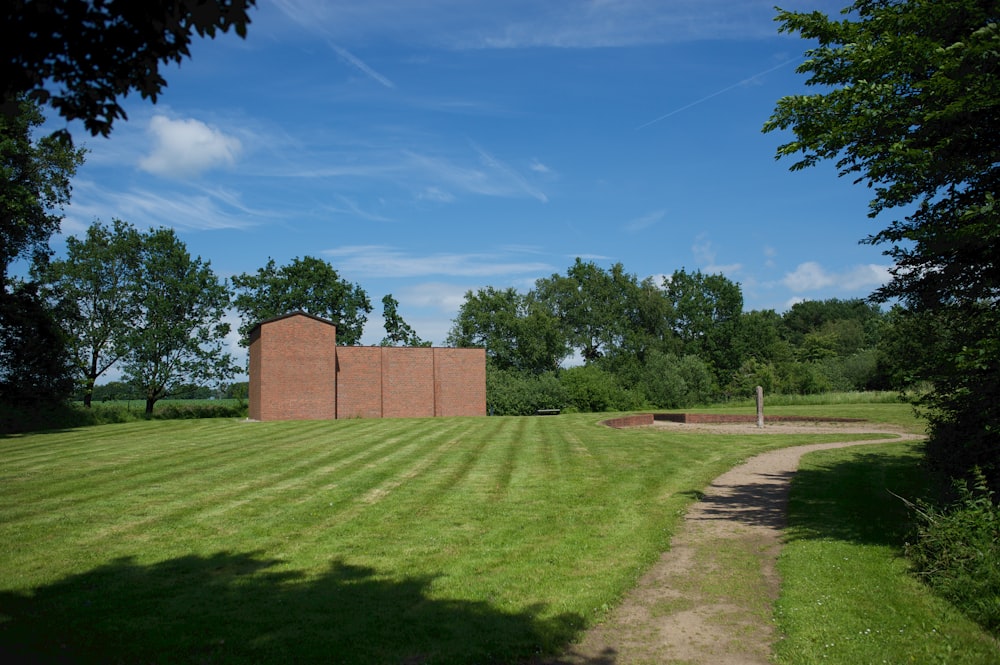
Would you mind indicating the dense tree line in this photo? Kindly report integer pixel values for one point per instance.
(599, 339)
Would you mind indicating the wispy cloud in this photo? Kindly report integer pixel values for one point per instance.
(538, 167)
(490, 177)
(350, 207)
(705, 254)
(471, 24)
(811, 276)
(747, 81)
(436, 194)
(385, 261)
(509, 174)
(358, 63)
(441, 296)
(645, 221)
(199, 208)
(186, 147)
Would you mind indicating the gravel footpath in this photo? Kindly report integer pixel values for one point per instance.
(709, 599)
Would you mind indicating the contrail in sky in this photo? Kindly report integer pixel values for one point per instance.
(716, 94)
(360, 64)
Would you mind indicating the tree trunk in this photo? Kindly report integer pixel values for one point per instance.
(88, 393)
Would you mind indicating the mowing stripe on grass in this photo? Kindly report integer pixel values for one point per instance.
(458, 540)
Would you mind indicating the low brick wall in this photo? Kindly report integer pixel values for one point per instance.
(693, 418)
(646, 419)
(639, 420)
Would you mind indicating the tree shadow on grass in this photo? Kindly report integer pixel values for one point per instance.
(241, 608)
(862, 499)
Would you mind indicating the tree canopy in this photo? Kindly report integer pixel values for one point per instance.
(35, 176)
(81, 56)
(397, 331)
(308, 284)
(177, 338)
(909, 105)
(92, 292)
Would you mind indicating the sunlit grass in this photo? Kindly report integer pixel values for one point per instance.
(460, 540)
(435, 540)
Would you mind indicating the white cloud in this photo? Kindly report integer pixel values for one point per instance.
(704, 254)
(492, 177)
(204, 209)
(184, 148)
(382, 261)
(436, 194)
(645, 221)
(811, 276)
(440, 296)
(769, 255)
(538, 167)
(510, 175)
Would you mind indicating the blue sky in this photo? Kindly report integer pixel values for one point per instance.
(428, 148)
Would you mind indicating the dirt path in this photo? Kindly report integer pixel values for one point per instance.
(709, 599)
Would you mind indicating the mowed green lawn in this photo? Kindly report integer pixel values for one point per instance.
(461, 540)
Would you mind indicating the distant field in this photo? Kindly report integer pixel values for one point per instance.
(457, 540)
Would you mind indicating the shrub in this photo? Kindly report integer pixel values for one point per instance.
(175, 411)
(957, 551)
(513, 393)
(590, 389)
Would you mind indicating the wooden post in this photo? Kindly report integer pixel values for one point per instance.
(760, 407)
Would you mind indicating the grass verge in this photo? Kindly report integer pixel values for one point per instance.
(848, 596)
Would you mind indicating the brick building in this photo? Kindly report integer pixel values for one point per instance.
(297, 372)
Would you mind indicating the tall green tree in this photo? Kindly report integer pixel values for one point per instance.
(80, 56)
(179, 334)
(596, 307)
(707, 310)
(308, 284)
(909, 105)
(35, 174)
(35, 367)
(813, 316)
(92, 293)
(397, 331)
(516, 331)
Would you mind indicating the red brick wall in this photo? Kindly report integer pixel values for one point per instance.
(638, 420)
(293, 359)
(359, 382)
(254, 394)
(297, 372)
(397, 382)
(460, 382)
(407, 382)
